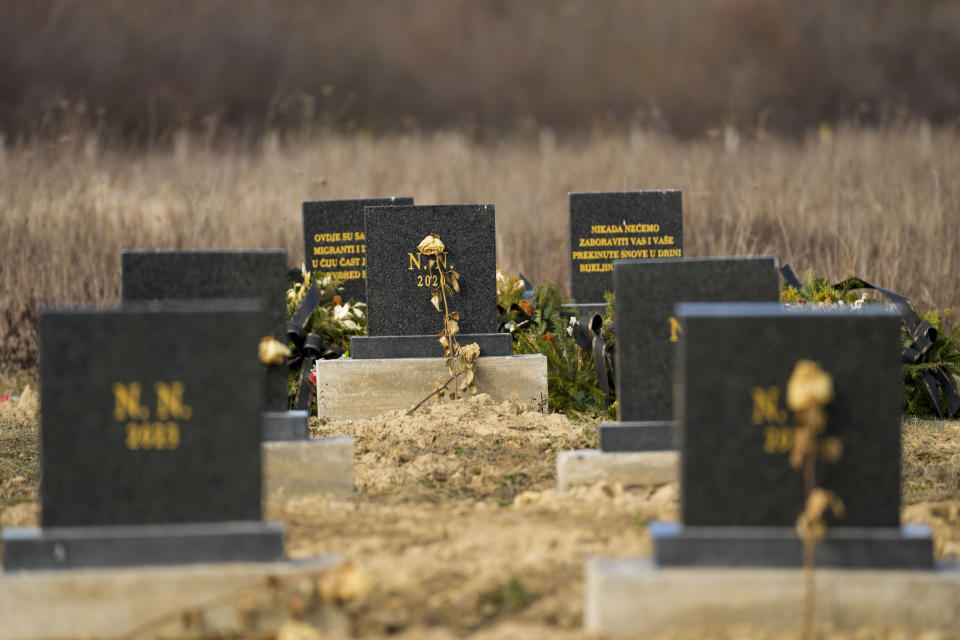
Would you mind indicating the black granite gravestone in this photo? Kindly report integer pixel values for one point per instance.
(647, 335)
(150, 438)
(185, 275)
(401, 321)
(619, 225)
(334, 240)
(740, 498)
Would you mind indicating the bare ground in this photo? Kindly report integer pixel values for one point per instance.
(458, 530)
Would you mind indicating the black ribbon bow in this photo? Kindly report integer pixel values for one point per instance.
(922, 337)
(307, 348)
(603, 354)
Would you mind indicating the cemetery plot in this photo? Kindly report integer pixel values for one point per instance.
(648, 333)
(740, 498)
(624, 225)
(401, 321)
(143, 431)
(334, 240)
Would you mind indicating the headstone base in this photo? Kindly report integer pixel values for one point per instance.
(584, 310)
(148, 602)
(308, 467)
(907, 547)
(371, 347)
(634, 468)
(349, 389)
(637, 436)
(631, 596)
(283, 425)
(34, 548)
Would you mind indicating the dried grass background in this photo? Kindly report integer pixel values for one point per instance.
(882, 204)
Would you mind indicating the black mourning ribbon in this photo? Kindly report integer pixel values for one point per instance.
(922, 336)
(505, 325)
(603, 354)
(307, 348)
(523, 318)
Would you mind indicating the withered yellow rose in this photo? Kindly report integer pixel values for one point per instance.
(809, 386)
(470, 352)
(431, 245)
(272, 351)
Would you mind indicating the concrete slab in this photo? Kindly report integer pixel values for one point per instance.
(307, 467)
(284, 425)
(349, 389)
(632, 597)
(142, 601)
(587, 466)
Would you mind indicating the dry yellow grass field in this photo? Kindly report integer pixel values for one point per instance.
(882, 204)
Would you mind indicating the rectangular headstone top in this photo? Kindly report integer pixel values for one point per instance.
(736, 432)
(217, 274)
(185, 275)
(619, 225)
(647, 330)
(151, 414)
(334, 240)
(398, 278)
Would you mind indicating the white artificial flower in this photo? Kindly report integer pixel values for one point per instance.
(341, 312)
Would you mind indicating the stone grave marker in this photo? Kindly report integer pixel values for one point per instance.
(150, 439)
(401, 321)
(648, 333)
(739, 496)
(184, 275)
(619, 225)
(334, 240)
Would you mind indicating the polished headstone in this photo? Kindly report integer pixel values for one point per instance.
(401, 321)
(150, 415)
(619, 225)
(185, 275)
(150, 438)
(334, 240)
(647, 331)
(740, 498)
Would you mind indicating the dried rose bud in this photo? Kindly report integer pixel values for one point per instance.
(809, 386)
(431, 245)
(272, 351)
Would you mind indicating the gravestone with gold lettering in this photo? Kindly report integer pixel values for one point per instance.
(739, 496)
(334, 240)
(401, 321)
(210, 274)
(647, 334)
(619, 225)
(150, 439)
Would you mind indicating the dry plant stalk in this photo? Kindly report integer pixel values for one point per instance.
(809, 391)
(466, 357)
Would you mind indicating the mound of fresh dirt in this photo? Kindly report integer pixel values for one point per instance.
(457, 527)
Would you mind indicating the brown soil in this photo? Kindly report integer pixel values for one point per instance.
(457, 527)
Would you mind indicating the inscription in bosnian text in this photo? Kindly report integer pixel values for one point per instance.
(596, 252)
(340, 255)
